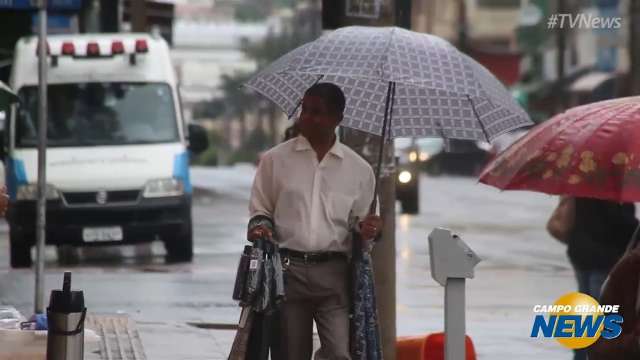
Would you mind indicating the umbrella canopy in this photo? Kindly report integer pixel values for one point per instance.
(587, 151)
(437, 91)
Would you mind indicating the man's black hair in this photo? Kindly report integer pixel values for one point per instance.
(330, 93)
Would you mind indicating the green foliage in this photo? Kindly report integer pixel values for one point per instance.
(209, 109)
(257, 142)
(286, 4)
(237, 101)
(248, 12)
(210, 156)
(258, 10)
(244, 156)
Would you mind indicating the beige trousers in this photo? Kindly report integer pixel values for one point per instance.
(316, 292)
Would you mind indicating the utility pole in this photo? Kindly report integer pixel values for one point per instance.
(138, 16)
(561, 44)
(109, 16)
(42, 159)
(634, 46)
(463, 27)
(398, 13)
(384, 261)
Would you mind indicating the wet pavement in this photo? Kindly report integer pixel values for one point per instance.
(522, 266)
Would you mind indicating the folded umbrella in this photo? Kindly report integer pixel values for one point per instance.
(365, 335)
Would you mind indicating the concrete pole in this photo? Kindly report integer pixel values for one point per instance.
(42, 159)
(561, 44)
(384, 252)
(384, 264)
(463, 26)
(138, 16)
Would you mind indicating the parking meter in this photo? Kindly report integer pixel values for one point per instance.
(452, 262)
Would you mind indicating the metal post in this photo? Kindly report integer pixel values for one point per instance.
(138, 16)
(42, 160)
(384, 264)
(561, 43)
(452, 261)
(454, 319)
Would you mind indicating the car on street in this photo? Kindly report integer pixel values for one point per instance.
(411, 154)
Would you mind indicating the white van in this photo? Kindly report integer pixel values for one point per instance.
(118, 149)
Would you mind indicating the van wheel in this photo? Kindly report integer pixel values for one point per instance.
(20, 251)
(180, 247)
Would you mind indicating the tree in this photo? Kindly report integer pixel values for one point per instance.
(238, 101)
(209, 109)
(303, 27)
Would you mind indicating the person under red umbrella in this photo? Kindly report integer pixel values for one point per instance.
(591, 153)
(600, 234)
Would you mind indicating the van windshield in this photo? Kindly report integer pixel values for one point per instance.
(93, 114)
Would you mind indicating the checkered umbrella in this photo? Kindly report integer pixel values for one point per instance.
(418, 84)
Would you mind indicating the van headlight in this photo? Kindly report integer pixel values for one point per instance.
(424, 156)
(404, 177)
(163, 188)
(30, 192)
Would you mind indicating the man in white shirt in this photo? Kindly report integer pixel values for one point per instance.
(314, 189)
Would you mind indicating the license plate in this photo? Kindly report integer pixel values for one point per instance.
(111, 233)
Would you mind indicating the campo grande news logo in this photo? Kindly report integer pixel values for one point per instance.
(577, 321)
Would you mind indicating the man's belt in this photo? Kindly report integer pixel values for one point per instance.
(312, 257)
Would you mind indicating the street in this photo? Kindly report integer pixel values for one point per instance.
(522, 266)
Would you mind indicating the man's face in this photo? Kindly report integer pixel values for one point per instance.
(317, 121)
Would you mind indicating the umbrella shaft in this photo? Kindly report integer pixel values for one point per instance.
(388, 110)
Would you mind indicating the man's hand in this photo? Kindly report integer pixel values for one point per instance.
(370, 227)
(259, 232)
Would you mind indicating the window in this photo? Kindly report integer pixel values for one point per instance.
(93, 114)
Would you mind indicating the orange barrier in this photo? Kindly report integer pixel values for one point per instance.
(430, 347)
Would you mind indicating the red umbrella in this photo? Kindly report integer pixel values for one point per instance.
(588, 151)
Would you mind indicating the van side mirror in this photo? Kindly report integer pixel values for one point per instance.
(198, 139)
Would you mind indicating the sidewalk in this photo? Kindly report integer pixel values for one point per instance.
(186, 342)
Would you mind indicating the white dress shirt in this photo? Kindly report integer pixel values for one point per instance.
(312, 203)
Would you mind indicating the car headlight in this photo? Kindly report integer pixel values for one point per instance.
(413, 156)
(30, 192)
(424, 156)
(404, 176)
(163, 188)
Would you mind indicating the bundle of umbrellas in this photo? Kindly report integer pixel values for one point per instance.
(260, 290)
